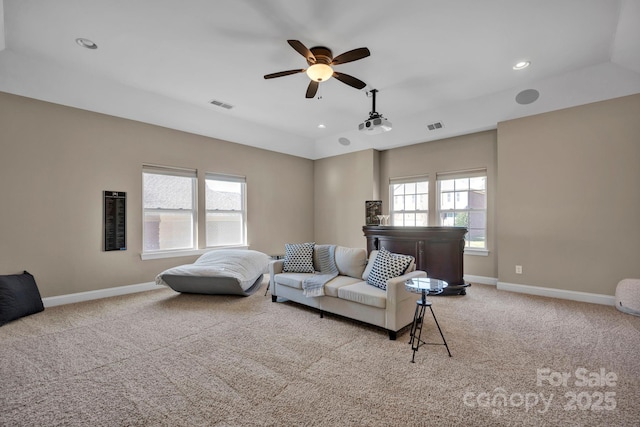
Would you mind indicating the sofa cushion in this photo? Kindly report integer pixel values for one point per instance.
(331, 287)
(298, 257)
(292, 280)
(362, 293)
(351, 261)
(386, 266)
(19, 297)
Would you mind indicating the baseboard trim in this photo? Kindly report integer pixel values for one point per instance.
(100, 293)
(480, 279)
(558, 293)
(503, 286)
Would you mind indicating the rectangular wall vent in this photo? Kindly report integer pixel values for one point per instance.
(221, 104)
(434, 126)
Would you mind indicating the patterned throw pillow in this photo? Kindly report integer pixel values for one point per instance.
(298, 258)
(387, 266)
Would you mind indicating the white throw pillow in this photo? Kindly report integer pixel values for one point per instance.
(298, 258)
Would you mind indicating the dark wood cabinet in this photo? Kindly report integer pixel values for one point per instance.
(437, 250)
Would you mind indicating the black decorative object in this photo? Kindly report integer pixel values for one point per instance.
(373, 208)
(115, 221)
(19, 297)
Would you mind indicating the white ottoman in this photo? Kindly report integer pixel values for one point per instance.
(628, 296)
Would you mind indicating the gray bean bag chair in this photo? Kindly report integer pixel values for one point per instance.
(219, 272)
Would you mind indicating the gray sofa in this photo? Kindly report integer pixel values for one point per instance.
(348, 294)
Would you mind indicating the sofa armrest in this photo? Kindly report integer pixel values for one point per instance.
(275, 267)
(396, 290)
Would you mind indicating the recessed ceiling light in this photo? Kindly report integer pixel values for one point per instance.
(322, 126)
(86, 43)
(521, 65)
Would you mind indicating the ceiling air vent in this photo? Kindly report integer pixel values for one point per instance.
(221, 104)
(434, 126)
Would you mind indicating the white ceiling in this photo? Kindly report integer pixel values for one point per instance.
(162, 61)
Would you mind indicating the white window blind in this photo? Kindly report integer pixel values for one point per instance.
(169, 208)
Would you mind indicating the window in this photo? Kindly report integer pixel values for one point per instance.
(169, 209)
(409, 201)
(226, 210)
(463, 203)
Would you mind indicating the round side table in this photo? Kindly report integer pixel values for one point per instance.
(424, 286)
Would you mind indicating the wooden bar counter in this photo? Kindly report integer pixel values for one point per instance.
(437, 250)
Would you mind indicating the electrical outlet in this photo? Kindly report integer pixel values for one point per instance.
(518, 269)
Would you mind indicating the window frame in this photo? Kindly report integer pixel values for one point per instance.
(176, 172)
(408, 180)
(467, 174)
(242, 180)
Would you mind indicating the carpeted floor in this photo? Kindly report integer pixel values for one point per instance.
(163, 359)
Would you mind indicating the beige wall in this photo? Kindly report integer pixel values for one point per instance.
(55, 162)
(448, 155)
(342, 185)
(569, 199)
(565, 193)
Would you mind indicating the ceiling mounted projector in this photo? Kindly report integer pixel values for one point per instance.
(375, 124)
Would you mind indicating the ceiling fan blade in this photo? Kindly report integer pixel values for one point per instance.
(352, 55)
(283, 73)
(302, 50)
(312, 89)
(349, 80)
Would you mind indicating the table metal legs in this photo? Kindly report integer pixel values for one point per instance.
(416, 328)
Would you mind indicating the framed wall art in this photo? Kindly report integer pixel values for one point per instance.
(115, 220)
(373, 208)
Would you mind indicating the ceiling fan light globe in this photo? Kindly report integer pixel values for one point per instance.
(319, 72)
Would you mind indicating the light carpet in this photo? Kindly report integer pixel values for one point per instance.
(160, 358)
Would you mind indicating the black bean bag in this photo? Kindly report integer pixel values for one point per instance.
(19, 297)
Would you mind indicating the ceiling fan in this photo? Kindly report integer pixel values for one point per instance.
(320, 60)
